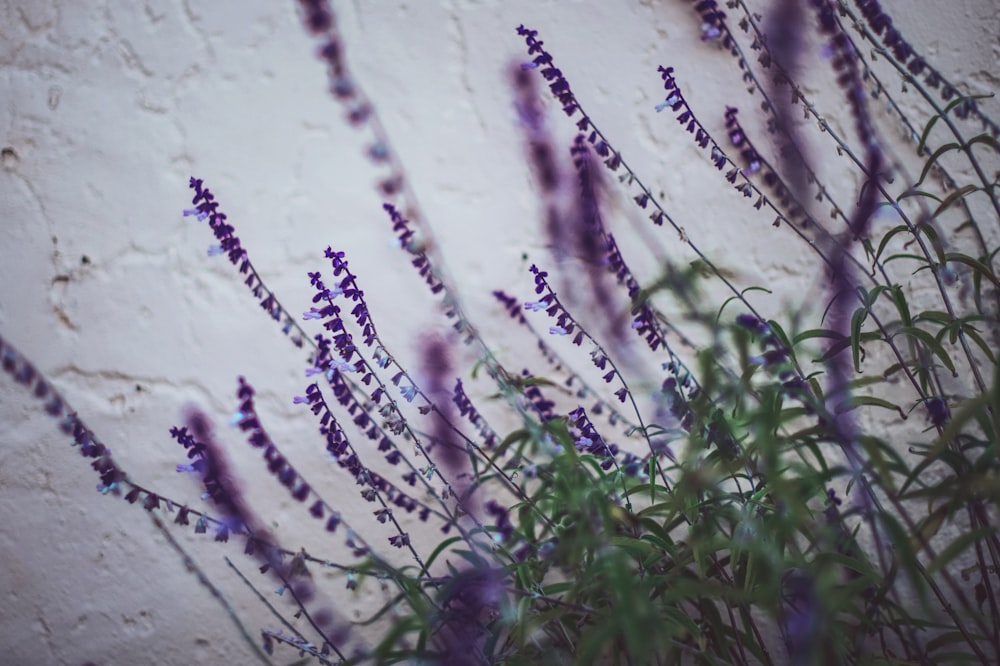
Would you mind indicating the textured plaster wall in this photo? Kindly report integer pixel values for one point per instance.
(106, 109)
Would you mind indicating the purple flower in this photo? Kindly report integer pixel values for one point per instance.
(332, 522)
(938, 410)
(400, 540)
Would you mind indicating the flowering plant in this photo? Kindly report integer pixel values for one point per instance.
(674, 476)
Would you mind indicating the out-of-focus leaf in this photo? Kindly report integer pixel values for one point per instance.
(931, 344)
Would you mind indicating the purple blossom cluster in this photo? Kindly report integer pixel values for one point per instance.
(348, 357)
(536, 400)
(789, 208)
(24, 373)
(401, 227)
(588, 440)
(247, 421)
(468, 410)
(882, 25)
(845, 64)
(320, 21)
(713, 22)
(206, 207)
(504, 526)
(340, 448)
(566, 325)
(775, 357)
(558, 85)
(644, 321)
(676, 103)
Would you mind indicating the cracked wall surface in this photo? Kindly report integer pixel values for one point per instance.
(107, 108)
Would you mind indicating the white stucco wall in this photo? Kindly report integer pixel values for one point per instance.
(106, 109)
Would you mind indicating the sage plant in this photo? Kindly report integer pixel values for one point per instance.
(668, 474)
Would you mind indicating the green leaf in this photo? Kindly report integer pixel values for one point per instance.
(857, 319)
(967, 412)
(818, 333)
(938, 316)
(929, 526)
(937, 116)
(986, 138)
(957, 547)
(931, 233)
(917, 193)
(978, 339)
(869, 401)
(953, 197)
(931, 344)
(779, 333)
(934, 157)
(899, 299)
(907, 255)
(889, 235)
(979, 267)
(946, 638)
(440, 548)
(594, 639)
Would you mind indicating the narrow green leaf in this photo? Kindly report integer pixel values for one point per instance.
(931, 344)
(933, 158)
(857, 319)
(917, 193)
(979, 267)
(953, 197)
(957, 547)
(440, 548)
(978, 339)
(937, 116)
(899, 299)
(856, 401)
(938, 316)
(929, 526)
(986, 138)
(818, 333)
(889, 235)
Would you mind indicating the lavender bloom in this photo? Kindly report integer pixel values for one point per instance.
(558, 85)
(588, 440)
(468, 410)
(882, 25)
(437, 372)
(537, 402)
(542, 156)
(318, 17)
(208, 208)
(505, 529)
(801, 616)
(644, 320)
(206, 205)
(938, 411)
(470, 601)
(752, 323)
(739, 139)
